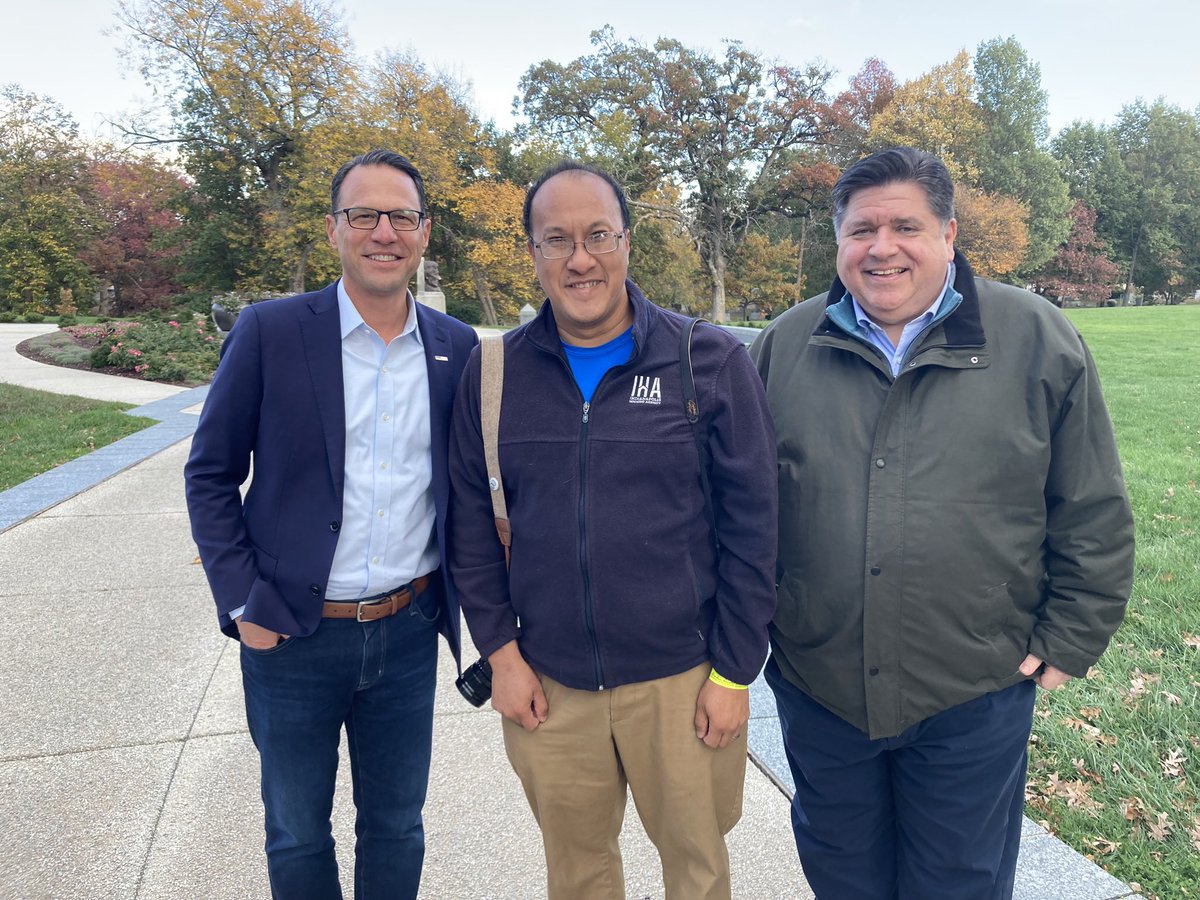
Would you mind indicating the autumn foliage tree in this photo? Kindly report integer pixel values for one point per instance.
(45, 192)
(250, 82)
(992, 233)
(716, 124)
(763, 273)
(936, 112)
(136, 208)
(1081, 269)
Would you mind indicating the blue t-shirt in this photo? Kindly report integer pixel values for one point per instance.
(588, 364)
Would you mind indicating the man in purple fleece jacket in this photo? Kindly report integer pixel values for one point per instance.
(624, 634)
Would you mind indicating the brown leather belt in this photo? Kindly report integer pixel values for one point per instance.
(376, 607)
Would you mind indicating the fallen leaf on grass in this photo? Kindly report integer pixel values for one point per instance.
(1103, 845)
(1091, 713)
(1172, 764)
(1082, 770)
(1091, 732)
(1172, 699)
(1134, 809)
(1159, 828)
(1194, 834)
(1192, 640)
(1076, 793)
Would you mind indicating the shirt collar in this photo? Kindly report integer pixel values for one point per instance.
(351, 319)
(864, 321)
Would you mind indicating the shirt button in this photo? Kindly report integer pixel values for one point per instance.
(874, 670)
(879, 463)
(375, 560)
(385, 369)
(380, 513)
(386, 417)
(383, 465)
(875, 570)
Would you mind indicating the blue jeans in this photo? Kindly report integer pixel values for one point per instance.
(932, 814)
(377, 679)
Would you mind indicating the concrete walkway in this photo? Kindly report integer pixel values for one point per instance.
(126, 770)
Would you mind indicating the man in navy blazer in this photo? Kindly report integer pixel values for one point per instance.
(331, 572)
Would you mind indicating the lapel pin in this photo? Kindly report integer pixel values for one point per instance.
(442, 358)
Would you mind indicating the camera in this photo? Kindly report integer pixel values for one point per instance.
(475, 684)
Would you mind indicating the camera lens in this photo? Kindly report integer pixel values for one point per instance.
(475, 684)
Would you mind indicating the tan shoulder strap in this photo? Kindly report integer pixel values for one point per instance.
(491, 390)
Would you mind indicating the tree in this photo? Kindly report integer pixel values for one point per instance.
(871, 90)
(1159, 146)
(764, 273)
(137, 205)
(991, 231)
(45, 195)
(1012, 158)
(251, 81)
(716, 124)
(1081, 269)
(477, 235)
(662, 253)
(936, 112)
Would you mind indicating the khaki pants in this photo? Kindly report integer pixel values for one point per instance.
(575, 768)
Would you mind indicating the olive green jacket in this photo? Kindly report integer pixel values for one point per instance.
(936, 527)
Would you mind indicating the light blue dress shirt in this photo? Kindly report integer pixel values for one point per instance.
(387, 536)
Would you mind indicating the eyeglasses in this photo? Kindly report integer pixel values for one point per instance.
(365, 219)
(596, 243)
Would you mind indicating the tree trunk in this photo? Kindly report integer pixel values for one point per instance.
(485, 297)
(1130, 286)
(300, 269)
(716, 271)
(800, 262)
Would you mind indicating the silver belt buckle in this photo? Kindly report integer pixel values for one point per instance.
(358, 611)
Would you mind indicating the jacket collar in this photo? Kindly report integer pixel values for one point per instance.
(543, 331)
(962, 328)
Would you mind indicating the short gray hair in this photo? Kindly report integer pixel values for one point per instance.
(893, 165)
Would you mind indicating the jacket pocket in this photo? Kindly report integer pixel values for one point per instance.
(265, 563)
(806, 621)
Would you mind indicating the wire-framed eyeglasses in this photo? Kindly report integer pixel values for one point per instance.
(595, 243)
(365, 219)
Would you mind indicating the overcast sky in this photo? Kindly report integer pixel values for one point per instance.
(1095, 55)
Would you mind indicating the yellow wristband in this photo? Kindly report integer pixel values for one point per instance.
(725, 682)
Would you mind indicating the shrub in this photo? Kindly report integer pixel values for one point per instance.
(33, 318)
(7, 317)
(67, 320)
(470, 313)
(183, 351)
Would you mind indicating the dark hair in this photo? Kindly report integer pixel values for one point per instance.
(893, 165)
(377, 158)
(571, 165)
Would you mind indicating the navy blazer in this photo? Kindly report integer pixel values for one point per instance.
(277, 399)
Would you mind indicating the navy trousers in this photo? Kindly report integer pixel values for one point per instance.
(932, 814)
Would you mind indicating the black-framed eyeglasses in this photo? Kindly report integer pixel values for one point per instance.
(365, 219)
(595, 243)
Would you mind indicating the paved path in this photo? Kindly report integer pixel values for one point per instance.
(126, 770)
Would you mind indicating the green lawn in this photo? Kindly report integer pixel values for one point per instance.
(39, 431)
(1115, 761)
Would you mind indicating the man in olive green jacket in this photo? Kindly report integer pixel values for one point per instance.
(953, 529)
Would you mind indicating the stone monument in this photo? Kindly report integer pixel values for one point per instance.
(429, 286)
